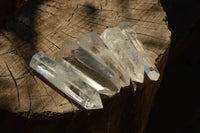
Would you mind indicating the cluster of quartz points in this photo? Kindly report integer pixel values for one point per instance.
(94, 65)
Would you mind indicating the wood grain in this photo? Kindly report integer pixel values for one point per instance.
(45, 25)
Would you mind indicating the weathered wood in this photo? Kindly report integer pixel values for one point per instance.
(45, 26)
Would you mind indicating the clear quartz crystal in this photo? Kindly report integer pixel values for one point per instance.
(149, 66)
(95, 73)
(92, 43)
(125, 52)
(67, 80)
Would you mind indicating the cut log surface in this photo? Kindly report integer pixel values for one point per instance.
(44, 26)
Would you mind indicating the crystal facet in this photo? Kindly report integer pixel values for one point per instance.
(93, 44)
(94, 65)
(149, 66)
(67, 80)
(95, 73)
(125, 52)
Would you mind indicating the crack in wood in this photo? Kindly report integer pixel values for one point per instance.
(151, 36)
(26, 65)
(22, 77)
(15, 82)
(19, 55)
(68, 34)
(52, 42)
(51, 97)
(73, 12)
(28, 27)
(41, 10)
(142, 20)
(29, 71)
(8, 52)
(54, 6)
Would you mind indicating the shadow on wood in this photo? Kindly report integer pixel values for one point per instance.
(45, 26)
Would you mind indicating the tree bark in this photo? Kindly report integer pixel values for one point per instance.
(44, 25)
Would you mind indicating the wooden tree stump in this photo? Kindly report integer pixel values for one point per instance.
(44, 26)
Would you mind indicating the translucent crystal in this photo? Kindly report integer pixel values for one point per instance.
(92, 43)
(149, 66)
(67, 80)
(125, 52)
(95, 73)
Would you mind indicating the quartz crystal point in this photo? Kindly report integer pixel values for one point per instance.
(95, 73)
(149, 66)
(125, 52)
(92, 43)
(67, 80)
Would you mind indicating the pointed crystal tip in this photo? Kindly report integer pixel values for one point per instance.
(153, 75)
(67, 80)
(149, 66)
(126, 54)
(95, 104)
(95, 46)
(89, 68)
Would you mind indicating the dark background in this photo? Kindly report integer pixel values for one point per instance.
(177, 105)
(9, 6)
